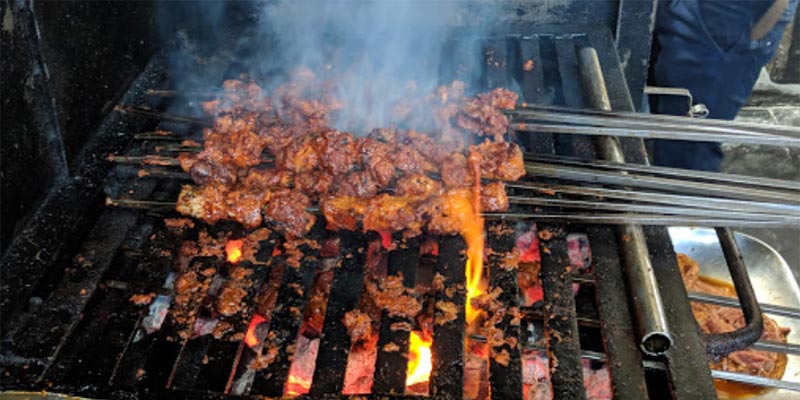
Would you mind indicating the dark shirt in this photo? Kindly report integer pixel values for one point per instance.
(727, 20)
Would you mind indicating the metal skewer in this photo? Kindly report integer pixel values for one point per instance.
(651, 209)
(752, 128)
(629, 123)
(658, 134)
(178, 93)
(200, 121)
(723, 301)
(717, 177)
(155, 135)
(658, 198)
(583, 174)
(582, 218)
(145, 160)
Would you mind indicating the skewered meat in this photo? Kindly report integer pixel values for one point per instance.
(384, 181)
(287, 208)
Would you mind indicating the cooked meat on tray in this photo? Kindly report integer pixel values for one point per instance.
(272, 158)
(717, 319)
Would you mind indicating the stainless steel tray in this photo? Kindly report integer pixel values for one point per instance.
(770, 275)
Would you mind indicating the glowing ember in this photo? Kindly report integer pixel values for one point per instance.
(419, 358)
(386, 239)
(297, 385)
(251, 338)
(234, 250)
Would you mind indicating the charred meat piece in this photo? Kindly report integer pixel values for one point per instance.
(454, 171)
(299, 156)
(501, 161)
(417, 185)
(336, 151)
(314, 184)
(377, 159)
(483, 114)
(287, 210)
(494, 197)
(356, 184)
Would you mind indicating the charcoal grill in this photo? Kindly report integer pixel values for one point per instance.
(69, 327)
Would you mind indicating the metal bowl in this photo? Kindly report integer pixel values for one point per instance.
(770, 275)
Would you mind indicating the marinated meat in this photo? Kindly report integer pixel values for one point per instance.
(494, 197)
(501, 160)
(483, 114)
(356, 184)
(717, 319)
(358, 324)
(377, 159)
(417, 185)
(387, 181)
(287, 209)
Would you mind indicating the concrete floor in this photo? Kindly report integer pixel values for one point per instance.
(779, 105)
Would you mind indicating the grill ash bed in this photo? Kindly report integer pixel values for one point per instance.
(69, 324)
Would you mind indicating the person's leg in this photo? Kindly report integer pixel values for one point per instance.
(722, 79)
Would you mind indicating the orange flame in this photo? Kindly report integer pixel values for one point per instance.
(234, 250)
(297, 385)
(458, 204)
(419, 358)
(250, 338)
(472, 231)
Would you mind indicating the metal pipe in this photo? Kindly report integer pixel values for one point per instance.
(651, 321)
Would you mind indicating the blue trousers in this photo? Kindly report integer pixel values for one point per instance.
(705, 47)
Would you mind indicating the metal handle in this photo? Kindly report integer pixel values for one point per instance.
(719, 345)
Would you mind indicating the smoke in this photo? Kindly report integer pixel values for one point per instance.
(376, 52)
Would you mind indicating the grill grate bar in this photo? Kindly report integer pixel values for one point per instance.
(218, 367)
(107, 319)
(390, 368)
(495, 63)
(346, 288)
(561, 327)
(285, 323)
(533, 91)
(624, 357)
(506, 380)
(447, 376)
(49, 329)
